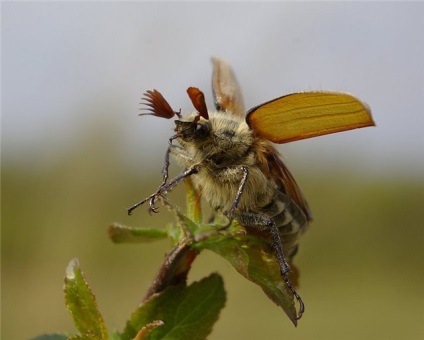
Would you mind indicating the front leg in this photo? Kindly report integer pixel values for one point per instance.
(164, 188)
(177, 152)
(181, 155)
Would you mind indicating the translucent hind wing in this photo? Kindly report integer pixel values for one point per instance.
(226, 90)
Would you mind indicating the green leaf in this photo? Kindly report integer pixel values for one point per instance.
(253, 258)
(186, 223)
(146, 331)
(186, 312)
(119, 233)
(82, 305)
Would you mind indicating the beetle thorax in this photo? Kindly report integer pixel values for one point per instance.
(222, 145)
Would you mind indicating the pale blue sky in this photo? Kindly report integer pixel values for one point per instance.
(66, 66)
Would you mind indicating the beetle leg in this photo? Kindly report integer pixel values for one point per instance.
(164, 188)
(263, 222)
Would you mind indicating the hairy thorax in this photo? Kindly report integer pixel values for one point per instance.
(228, 148)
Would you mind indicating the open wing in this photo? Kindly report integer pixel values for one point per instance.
(225, 88)
(309, 114)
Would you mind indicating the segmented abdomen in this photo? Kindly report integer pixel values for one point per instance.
(289, 219)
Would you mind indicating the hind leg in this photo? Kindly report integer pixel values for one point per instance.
(266, 224)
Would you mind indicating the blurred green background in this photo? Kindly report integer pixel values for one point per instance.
(75, 156)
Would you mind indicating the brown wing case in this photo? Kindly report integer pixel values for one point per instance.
(308, 114)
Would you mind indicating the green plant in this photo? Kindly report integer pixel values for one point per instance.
(172, 309)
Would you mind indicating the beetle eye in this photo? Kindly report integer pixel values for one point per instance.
(202, 130)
